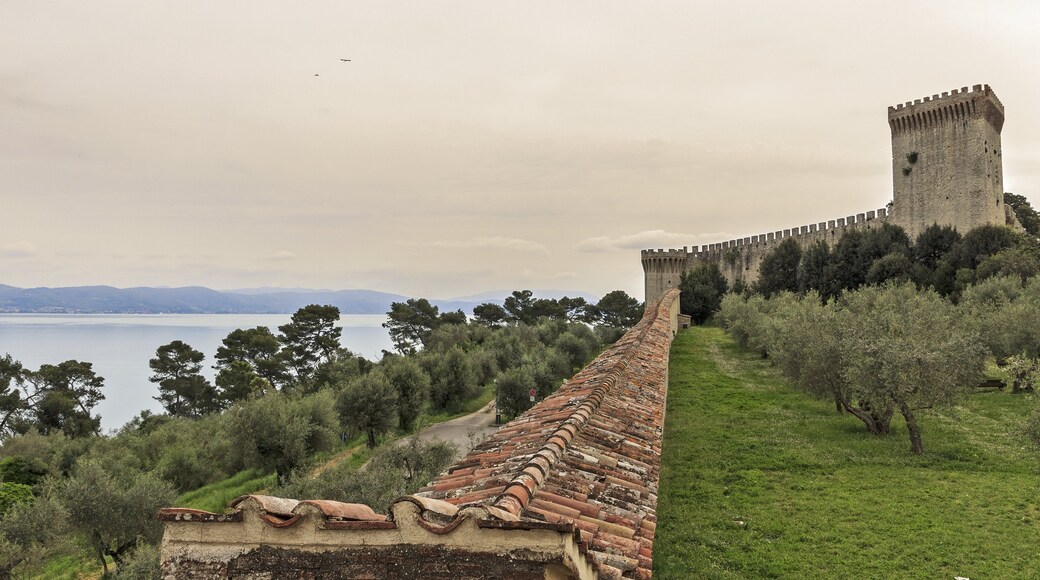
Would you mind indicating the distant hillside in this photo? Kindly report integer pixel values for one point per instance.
(199, 300)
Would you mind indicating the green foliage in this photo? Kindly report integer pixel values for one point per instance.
(183, 391)
(140, 564)
(238, 380)
(21, 469)
(412, 384)
(395, 470)
(933, 244)
(341, 367)
(310, 339)
(29, 533)
(113, 514)
(280, 432)
(1022, 260)
(816, 270)
(578, 310)
(575, 350)
(1027, 216)
(520, 306)
(12, 494)
(1006, 315)
(11, 403)
(981, 243)
(453, 379)
(894, 267)
(216, 497)
(490, 315)
(52, 454)
(906, 348)
(856, 252)
(911, 157)
(1022, 373)
(619, 310)
(513, 387)
(701, 291)
(66, 394)
(875, 351)
(369, 404)
(256, 347)
(410, 323)
(779, 269)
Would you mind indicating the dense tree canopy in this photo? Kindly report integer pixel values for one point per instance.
(259, 348)
(410, 323)
(183, 391)
(619, 310)
(65, 395)
(114, 513)
(779, 269)
(701, 290)
(310, 339)
(369, 404)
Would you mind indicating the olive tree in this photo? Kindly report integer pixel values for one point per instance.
(906, 348)
(412, 384)
(113, 513)
(369, 403)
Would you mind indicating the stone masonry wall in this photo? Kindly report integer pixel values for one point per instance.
(946, 160)
(742, 257)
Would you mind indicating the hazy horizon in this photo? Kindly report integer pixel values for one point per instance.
(466, 146)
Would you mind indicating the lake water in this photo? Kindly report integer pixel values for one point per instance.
(120, 346)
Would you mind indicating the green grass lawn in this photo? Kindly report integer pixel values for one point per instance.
(761, 481)
(215, 497)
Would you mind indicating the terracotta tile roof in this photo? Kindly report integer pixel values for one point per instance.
(587, 456)
(585, 462)
(281, 512)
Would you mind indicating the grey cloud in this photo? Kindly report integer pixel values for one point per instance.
(495, 243)
(20, 249)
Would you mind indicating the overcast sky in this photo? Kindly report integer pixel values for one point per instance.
(466, 146)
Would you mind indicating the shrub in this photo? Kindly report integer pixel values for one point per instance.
(453, 380)
(280, 432)
(12, 494)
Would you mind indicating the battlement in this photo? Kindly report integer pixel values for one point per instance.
(952, 105)
(810, 232)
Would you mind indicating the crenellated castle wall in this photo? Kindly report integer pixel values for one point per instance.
(946, 170)
(741, 258)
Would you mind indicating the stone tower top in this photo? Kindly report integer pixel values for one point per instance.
(962, 103)
(946, 161)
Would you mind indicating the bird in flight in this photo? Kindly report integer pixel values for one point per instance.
(345, 59)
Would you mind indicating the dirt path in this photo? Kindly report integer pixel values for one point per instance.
(464, 432)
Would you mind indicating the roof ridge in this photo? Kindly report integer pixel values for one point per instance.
(521, 488)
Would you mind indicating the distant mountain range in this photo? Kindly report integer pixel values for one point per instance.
(199, 300)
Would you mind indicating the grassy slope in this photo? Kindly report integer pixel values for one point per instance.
(761, 481)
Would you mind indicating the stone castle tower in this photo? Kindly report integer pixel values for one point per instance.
(946, 161)
(946, 170)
